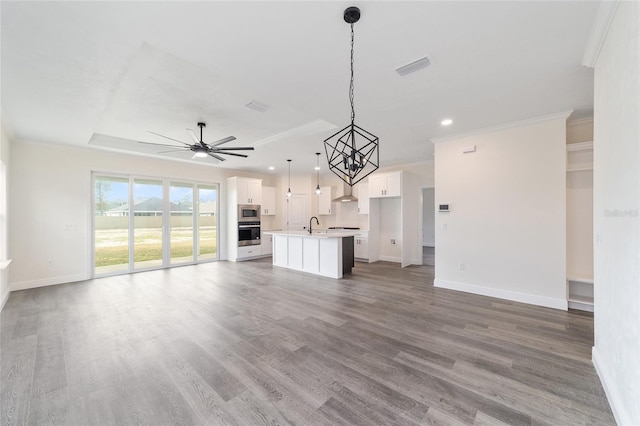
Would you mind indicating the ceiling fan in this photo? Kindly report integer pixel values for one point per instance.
(201, 149)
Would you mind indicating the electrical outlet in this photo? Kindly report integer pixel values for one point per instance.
(393, 241)
(461, 265)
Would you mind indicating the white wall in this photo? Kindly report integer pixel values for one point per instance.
(507, 222)
(51, 207)
(428, 217)
(616, 214)
(4, 216)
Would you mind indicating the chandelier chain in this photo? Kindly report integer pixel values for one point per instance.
(351, 97)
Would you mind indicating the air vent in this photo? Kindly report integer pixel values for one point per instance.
(414, 66)
(257, 106)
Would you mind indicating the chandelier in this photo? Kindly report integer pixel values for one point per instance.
(352, 153)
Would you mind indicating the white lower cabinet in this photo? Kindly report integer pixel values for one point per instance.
(247, 252)
(361, 248)
(266, 246)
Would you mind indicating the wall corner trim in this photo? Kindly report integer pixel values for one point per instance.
(24, 285)
(5, 297)
(561, 115)
(514, 296)
(599, 31)
(622, 418)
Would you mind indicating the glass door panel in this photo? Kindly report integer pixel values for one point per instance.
(148, 207)
(207, 222)
(181, 196)
(111, 224)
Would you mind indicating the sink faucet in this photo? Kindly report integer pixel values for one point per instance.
(310, 220)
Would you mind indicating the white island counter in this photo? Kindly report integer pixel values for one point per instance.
(321, 253)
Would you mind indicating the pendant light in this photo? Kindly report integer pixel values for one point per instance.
(318, 192)
(352, 153)
(289, 193)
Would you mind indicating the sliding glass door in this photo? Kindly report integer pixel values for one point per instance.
(111, 224)
(181, 227)
(207, 222)
(148, 209)
(142, 223)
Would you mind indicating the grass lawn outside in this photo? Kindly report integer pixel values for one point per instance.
(112, 245)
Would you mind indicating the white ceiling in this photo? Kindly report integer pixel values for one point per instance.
(102, 74)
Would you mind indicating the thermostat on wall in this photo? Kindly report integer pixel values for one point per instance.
(444, 208)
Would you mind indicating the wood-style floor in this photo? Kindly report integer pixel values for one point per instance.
(248, 343)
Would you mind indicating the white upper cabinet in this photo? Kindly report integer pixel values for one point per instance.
(249, 191)
(385, 185)
(363, 198)
(268, 206)
(325, 206)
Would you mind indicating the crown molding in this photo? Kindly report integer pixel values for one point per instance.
(599, 32)
(561, 115)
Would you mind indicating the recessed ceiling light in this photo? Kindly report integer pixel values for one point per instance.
(446, 122)
(271, 168)
(316, 168)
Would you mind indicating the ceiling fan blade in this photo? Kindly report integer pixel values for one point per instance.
(193, 135)
(172, 150)
(167, 137)
(239, 148)
(231, 153)
(217, 157)
(224, 140)
(158, 144)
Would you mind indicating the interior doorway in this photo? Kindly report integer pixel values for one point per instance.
(297, 212)
(428, 227)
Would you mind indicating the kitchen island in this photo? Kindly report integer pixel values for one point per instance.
(329, 254)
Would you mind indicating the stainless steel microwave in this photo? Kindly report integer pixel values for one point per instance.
(248, 213)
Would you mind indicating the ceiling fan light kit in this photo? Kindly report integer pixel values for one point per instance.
(201, 149)
(352, 152)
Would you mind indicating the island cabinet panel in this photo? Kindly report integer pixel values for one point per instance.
(331, 257)
(280, 250)
(311, 255)
(295, 253)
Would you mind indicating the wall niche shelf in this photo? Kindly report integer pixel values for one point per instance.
(580, 226)
(579, 156)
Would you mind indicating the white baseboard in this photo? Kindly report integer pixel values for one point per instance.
(390, 259)
(24, 285)
(515, 296)
(619, 413)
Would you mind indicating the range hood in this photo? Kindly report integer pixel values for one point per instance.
(347, 197)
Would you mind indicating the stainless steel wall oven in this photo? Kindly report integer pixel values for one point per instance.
(248, 224)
